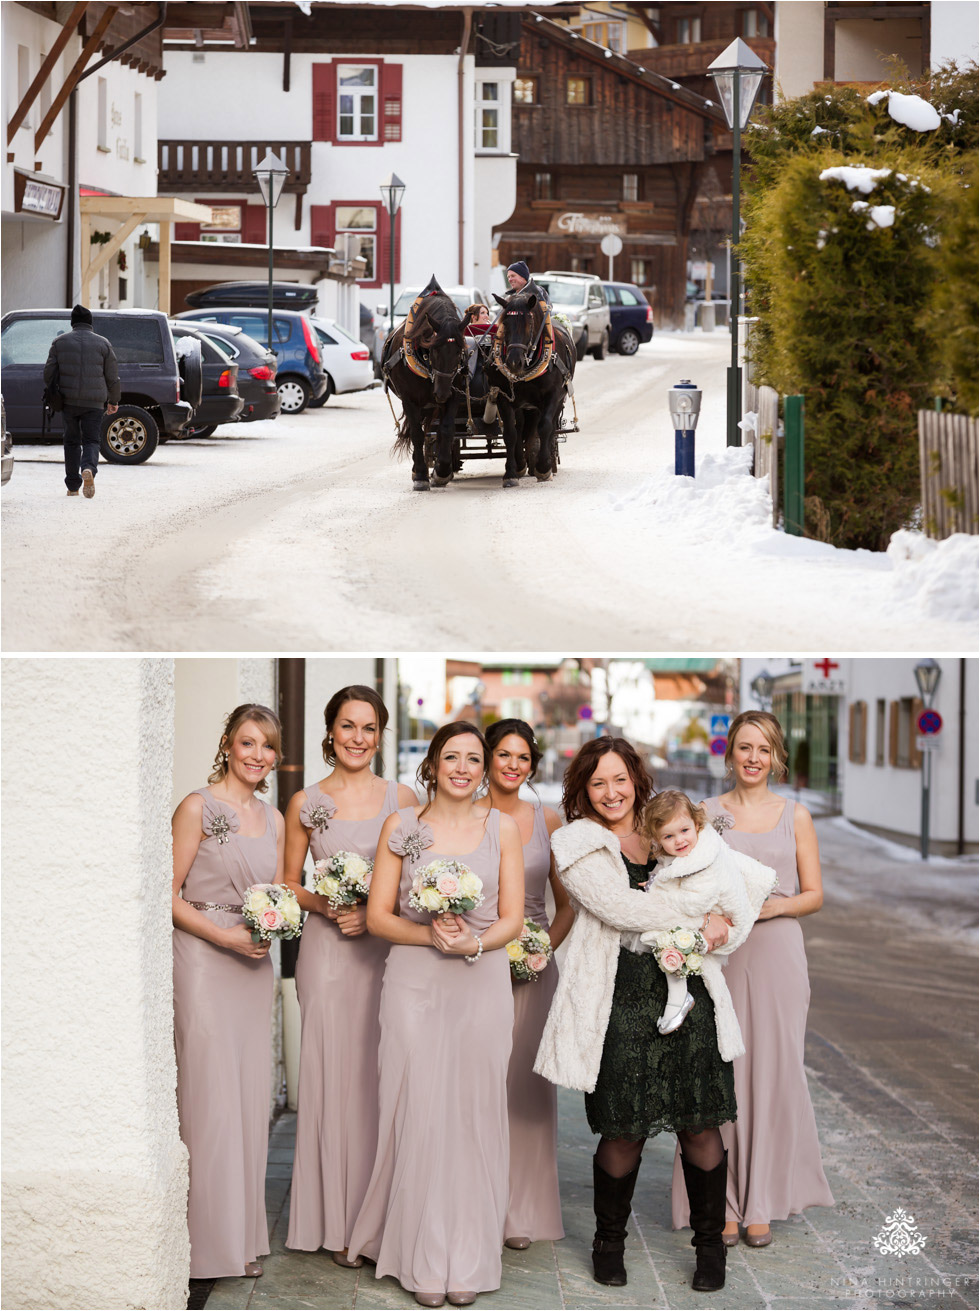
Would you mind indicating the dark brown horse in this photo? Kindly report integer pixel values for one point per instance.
(530, 371)
(420, 362)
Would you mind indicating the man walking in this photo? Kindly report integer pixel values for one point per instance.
(83, 367)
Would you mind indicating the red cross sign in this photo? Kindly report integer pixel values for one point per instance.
(826, 665)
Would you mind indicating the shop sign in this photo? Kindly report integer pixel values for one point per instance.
(576, 223)
(32, 196)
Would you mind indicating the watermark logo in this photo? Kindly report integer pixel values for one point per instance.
(900, 1235)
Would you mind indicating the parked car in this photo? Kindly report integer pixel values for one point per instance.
(220, 401)
(581, 299)
(233, 295)
(256, 369)
(7, 467)
(631, 314)
(158, 392)
(462, 297)
(300, 375)
(346, 360)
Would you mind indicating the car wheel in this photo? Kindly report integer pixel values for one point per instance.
(129, 436)
(599, 352)
(294, 394)
(205, 430)
(328, 391)
(629, 342)
(581, 347)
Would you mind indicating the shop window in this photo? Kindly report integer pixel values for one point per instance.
(578, 91)
(525, 91)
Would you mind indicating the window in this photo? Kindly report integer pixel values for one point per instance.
(525, 91)
(103, 115)
(543, 187)
(902, 751)
(44, 101)
(611, 35)
(687, 31)
(881, 719)
(627, 297)
(858, 732)
(361, 219)
(638, 272)
(487, 116)
(357, 102)
(23, 77)
(755, 23)
(138, 129)
(578, 91)
(581, 264)
(257, 326)
(631, 186)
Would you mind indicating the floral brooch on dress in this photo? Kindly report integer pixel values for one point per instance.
(722, 822)
(219, 825)
(320, 815)
(411, 844)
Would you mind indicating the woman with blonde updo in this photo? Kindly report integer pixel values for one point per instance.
(224, 840)
(774, 1168)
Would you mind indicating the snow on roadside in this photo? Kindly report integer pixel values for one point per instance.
(724, 503)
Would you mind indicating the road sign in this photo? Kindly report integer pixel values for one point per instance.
(585, 712)
(930, 722)
(611, 244)
(718, 746)
(720, 725)
(927, 744)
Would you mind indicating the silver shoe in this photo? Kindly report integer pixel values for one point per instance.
(668, 1026)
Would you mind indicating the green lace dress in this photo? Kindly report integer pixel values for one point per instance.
(650, 1082)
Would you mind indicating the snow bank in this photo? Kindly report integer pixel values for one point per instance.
(939, 578)
(910, 111)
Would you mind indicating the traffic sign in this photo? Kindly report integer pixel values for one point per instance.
(930, 722)
(720, 725)
(927, 744)
(718, 746)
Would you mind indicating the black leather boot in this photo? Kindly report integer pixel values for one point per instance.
(612, 1210)
(706, 1194)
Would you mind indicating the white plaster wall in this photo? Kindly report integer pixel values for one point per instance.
(117, 171)
(94, 1173)
(799, 47)
(495, 192)
(22, 27)
(888, 798)
(33, 266)
(953, 31)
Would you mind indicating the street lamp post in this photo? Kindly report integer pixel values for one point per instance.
(927, 676)
(737, 72)
(762, 687)
(271, 174)
(392, 192)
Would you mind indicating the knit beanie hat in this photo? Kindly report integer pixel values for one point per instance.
(521, 269)
(80, 315)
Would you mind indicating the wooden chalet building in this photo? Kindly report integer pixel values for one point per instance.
(605, 145)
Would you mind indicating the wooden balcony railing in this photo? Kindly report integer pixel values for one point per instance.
(228, 165)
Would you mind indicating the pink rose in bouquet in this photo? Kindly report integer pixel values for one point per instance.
(537, 962)
(271, 919)
(671, 960)
(448, 885)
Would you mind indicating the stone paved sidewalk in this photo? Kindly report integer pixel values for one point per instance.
(891, 1058)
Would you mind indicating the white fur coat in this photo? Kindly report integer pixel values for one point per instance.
(591, 868)
(711, 877)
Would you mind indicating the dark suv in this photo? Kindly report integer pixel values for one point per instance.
(300, 376)
(631, 314)
(153, 405)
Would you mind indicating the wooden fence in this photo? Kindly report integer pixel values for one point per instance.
(948, 466)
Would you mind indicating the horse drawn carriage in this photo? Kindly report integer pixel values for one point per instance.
(476, 391)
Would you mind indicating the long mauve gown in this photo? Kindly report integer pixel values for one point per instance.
(774, 1167)
(338, 983)
(223, 1034)
(534, 1208)
(434, 1212)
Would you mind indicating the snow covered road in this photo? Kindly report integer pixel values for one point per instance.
(304, 535)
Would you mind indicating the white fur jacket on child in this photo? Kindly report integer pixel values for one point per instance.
(711, 877)
(591, 867)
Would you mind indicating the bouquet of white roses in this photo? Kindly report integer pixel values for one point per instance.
(271, 911)
(344, 879)
(680, 951)
(530, 953)
(446, 887)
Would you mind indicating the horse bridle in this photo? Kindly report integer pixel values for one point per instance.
(531, 349)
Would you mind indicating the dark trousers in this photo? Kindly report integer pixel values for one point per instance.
(81, 438)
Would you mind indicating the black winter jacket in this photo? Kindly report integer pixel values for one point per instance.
(87, 370)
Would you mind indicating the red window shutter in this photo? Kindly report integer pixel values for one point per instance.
(391, 102)
(382, 275)
(322, 225)
(255, 224)
(187, 232)
(324, 101)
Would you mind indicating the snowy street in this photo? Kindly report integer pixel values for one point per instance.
(304, 534)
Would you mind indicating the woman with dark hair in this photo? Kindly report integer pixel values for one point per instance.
(225, 839)
(338, 979)
(534, 1209)
(601, 1034)
(433, 1215)
(774, 1167)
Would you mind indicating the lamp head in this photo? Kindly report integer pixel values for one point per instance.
(271, 174)
(392, 190)
(684, 402)
(742, 59)
(927, 676)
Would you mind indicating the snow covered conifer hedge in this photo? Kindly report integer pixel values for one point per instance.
(860, 231)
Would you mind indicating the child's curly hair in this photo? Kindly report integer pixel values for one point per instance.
(662, 808)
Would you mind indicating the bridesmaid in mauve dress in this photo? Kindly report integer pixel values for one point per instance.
(434, 1211)
(224, 840)
(338, 980)
(534, 1208)
(774, 1167)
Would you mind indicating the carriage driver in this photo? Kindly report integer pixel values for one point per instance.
(518, 275)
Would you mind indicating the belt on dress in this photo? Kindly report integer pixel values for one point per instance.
(214, 905)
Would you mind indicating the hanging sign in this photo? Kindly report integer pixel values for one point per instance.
(823, 677)
(32, 196)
